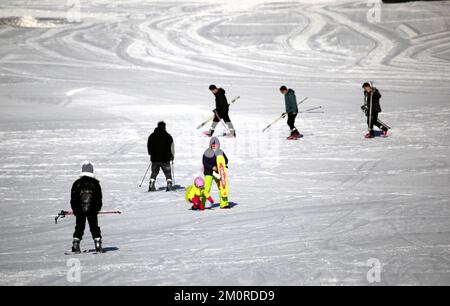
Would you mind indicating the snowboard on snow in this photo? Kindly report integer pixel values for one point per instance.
(92, 251)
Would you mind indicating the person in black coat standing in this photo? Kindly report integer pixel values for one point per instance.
(221, 111)
(86, 202)
(161, 149)
(372, 108)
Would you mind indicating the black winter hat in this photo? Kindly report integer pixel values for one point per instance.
(211, 87)
(366, 85)
(162, 125)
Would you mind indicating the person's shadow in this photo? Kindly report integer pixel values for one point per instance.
(174, 188)
(105, 249)
(216, 205)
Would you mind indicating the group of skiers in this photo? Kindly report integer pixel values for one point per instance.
(86, 193)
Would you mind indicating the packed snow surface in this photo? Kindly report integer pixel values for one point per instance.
(317, 211)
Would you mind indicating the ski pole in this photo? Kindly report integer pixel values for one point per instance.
(370, 106)
(145, 175)
(276, 120)
(384, 124)
(282, 116)
(223, 123)
(311, 109)
(302, 101)
(212, 117)
(65, 213)
(173, 174)
(205, 122)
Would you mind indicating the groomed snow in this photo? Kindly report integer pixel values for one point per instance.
(307, 212)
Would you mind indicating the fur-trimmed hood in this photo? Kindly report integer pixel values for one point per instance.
(89, 174)
(209, 152)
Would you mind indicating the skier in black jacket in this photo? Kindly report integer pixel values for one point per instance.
(221, 111)
(86, 202)
(161, 149)
(372, 108)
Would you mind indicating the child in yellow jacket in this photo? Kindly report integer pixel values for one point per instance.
(197, 194)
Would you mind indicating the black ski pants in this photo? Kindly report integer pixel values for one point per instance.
(225, 117)
(374, 122)
(157, 166)
(291, 120)
(81, 224)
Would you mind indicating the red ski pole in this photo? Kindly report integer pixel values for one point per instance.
(65, 213)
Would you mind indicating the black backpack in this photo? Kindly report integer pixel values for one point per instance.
(87, 191)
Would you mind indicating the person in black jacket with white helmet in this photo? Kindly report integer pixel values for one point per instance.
(86, 202)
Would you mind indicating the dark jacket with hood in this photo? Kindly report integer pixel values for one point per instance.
(221, 102)
(291, 101)
(86, 195)
(210, 157)
(376, 107)
(160, 146)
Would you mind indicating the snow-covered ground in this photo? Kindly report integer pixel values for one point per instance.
(313, 211)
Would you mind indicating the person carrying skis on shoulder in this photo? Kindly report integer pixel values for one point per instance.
(372, 108)
(86, 202)
(211, 170)
(197, 195)
(290, 101)
(221, 111)
(161, 148)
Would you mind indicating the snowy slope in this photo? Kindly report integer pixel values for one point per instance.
(307, 212)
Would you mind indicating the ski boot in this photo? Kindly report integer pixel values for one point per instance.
(294, 135)
(169, 185)
(209, 133)
(151, 187)
(98, 245)
(297, 134)
(369, 135)
(232, 134)
(201, 206)
(76, 246)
